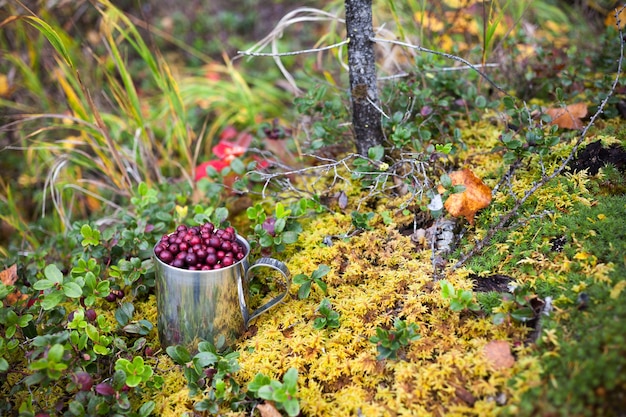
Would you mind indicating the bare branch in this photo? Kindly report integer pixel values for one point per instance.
(302, 51)
(445, 55)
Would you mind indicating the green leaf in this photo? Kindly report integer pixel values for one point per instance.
(304, 290)
(445, 149)
(260, 380)
(290, 237)
(300, 279)
(292, 407)
(77, 408)
(179, 354)
(92, 332)
(266, 392)
(55, 353)
(124, 313)
(52, 300)
(204, 359)
(53, 274)
(376, 152)
(320, 272)
(101, 350)
(523, 314)
(322, 285)
(456, 305)
(237, 166)
(43, 284)
(4, 365)
(509, 102)
(319, 323)
(446, 181)
(447, 290)
(280, 211)
(290, 379)
(279, 226)
(480, 102)
(133, 380)
(72, 290)
(266, 241)
(146, 409)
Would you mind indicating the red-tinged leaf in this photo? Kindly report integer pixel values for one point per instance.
(201, 169)
(105, 389)
(229, 133)
(228, 150)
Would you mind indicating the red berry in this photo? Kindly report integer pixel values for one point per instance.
(211, 259)
(91, 314)
(191, 258)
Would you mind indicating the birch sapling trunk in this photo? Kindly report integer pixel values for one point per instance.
(362, 66)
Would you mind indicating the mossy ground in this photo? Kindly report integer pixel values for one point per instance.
(574, 368)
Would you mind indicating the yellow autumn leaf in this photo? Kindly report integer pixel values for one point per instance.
(582, 256)
(4, 85)
(601, 216)
(428, 21)
(617, 289)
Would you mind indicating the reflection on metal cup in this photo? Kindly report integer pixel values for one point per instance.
(209, 305)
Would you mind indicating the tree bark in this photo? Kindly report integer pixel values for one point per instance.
(362, 66)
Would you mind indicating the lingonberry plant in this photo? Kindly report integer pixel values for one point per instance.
(284, 394)
(390, 342)
(328, 318)
(210, 372)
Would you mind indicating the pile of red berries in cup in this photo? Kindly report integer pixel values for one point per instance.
(200, 248)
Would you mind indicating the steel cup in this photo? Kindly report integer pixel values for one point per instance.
(210, 305)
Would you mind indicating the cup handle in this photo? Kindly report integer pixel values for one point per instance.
(280, 267)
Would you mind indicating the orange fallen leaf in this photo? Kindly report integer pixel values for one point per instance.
(498, 354)
(9, 277)
(268, 410)
(477, 195)
(568, 117)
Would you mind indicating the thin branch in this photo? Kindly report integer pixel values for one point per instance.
(302, 51)
(445, 55)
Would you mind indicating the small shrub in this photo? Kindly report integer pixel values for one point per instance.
(328, 317)
(390, 342)
(284, 395)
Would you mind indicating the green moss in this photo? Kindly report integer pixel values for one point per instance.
(583, 350)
